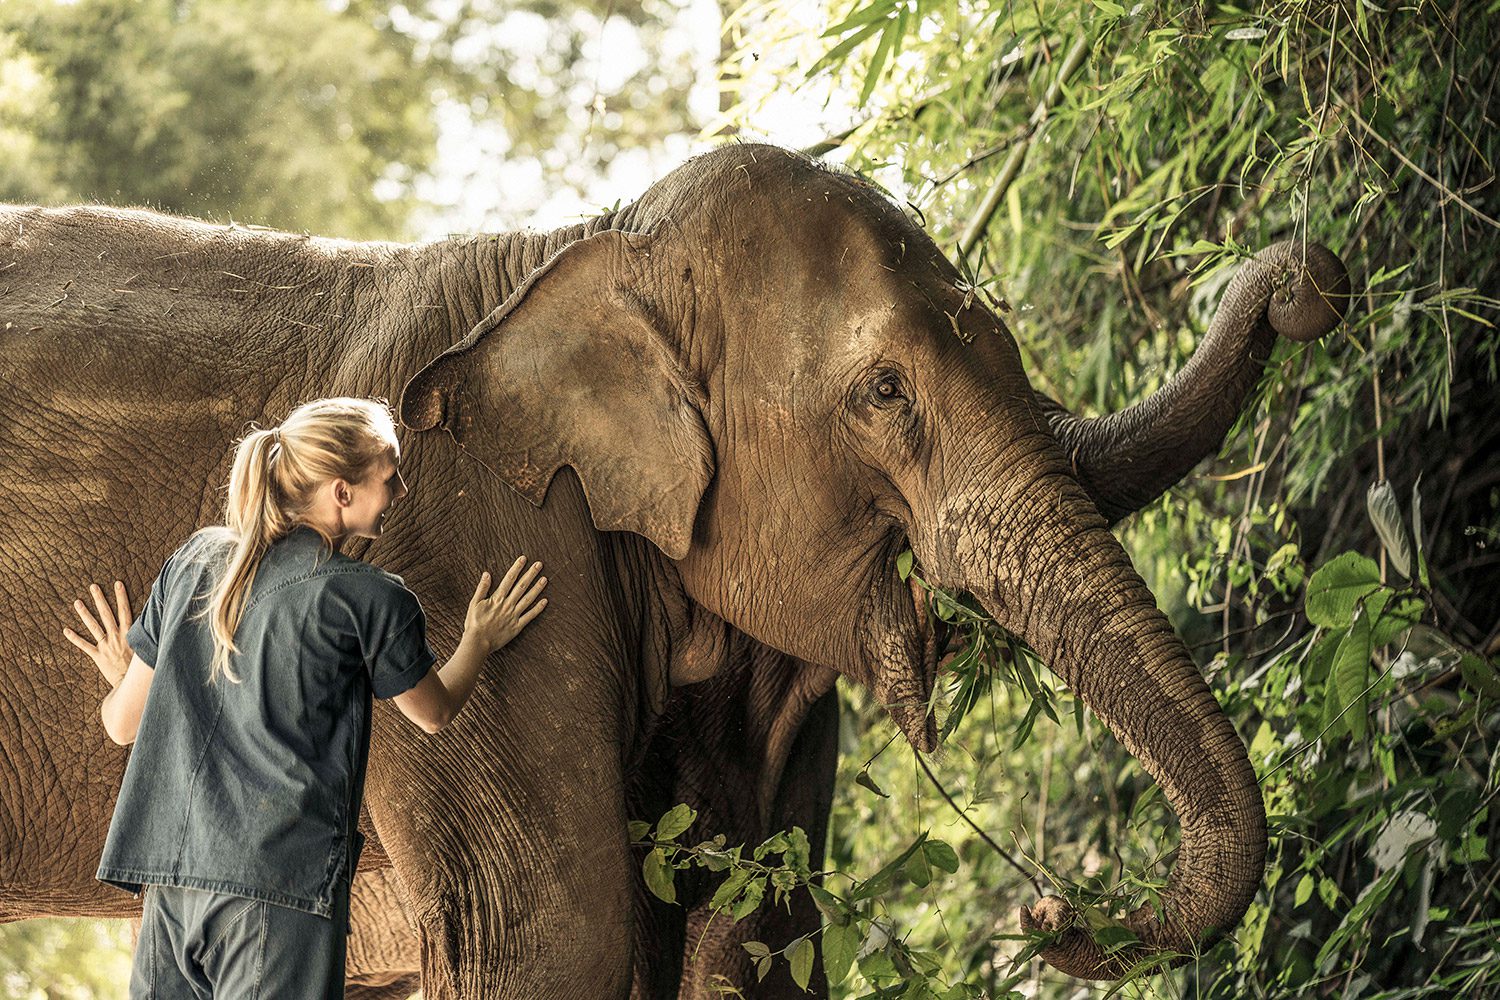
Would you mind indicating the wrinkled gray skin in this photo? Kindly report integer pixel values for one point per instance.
(747, 396)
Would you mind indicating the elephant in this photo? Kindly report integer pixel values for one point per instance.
(718, 415)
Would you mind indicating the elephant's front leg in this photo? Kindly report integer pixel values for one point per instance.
(383, 960)
(508, 833)
(714, 945)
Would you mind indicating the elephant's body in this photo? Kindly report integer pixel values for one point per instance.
(729, 514)
(135, 350)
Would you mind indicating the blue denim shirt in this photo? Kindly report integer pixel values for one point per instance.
(254, 789)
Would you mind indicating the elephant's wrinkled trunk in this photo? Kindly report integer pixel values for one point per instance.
(1048, 569)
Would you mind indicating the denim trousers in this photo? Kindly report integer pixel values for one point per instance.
(200, 945)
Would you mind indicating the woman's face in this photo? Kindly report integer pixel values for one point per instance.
(372, 498)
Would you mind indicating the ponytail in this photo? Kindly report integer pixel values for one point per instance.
(273, 483)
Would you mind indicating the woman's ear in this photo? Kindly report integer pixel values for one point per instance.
(579, 367)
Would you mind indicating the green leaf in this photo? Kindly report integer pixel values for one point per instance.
(639, 829)
(903, 564)
(801, 958)
(774, 844)
(658, 875)
(843, 48)
(1416, 532)
(877, 63)
(757, 949)
(881, 880)
(755, 891)
(1304, 890)
(917, 871)
(1385, 514)
(1113, 937)
(675, 822)
(1110, 7)
(1480, 674)
(941, 856)
(730, 889)
(1395, 618)
(1338, 586)
(874, 12)
(833, 908)
(840, 945)
(1351, 671)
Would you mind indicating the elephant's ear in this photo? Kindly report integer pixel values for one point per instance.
(578, 368)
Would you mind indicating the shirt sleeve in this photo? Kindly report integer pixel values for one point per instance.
(143, 636)
(395, 645)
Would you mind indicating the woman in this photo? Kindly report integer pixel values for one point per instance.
(241, 798)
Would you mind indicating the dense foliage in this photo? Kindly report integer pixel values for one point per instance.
(1101, 169)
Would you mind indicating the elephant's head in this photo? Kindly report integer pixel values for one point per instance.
(780, 381)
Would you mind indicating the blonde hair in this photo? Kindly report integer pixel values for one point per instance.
(276, 474)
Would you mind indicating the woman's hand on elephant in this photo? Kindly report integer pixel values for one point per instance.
(516, 600)
(109, 650)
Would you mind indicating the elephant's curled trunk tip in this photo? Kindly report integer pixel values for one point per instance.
(1073, 950)
(1311, 290)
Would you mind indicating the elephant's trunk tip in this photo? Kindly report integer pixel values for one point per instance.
(1313, 293)
(1073, 950)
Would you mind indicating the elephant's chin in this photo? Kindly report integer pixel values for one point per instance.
(902, 647)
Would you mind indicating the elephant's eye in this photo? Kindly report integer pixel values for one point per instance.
(887, 387)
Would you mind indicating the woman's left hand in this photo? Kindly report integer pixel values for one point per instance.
(109, 651)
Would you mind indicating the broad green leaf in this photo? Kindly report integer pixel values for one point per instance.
(940, 856)
(1395, 618)
(731, 888)
(840, 945)
(834, 908)
(903, 564)
(675, 822)
(639, 829)
(756, 949)
(1113, 937)
(774, 844)
(801, 959)
(1336, 589)
(658, 875)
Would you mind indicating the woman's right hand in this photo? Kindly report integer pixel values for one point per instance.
(497, 619)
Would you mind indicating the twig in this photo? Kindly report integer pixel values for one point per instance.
(975, 827)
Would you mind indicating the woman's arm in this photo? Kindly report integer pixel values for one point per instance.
(121, 708)
(129, 676)
(491, 622)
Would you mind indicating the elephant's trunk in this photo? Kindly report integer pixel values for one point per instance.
(1127, 459)
(1048, 569)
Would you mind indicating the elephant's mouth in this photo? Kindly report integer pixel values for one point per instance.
(905, 687)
